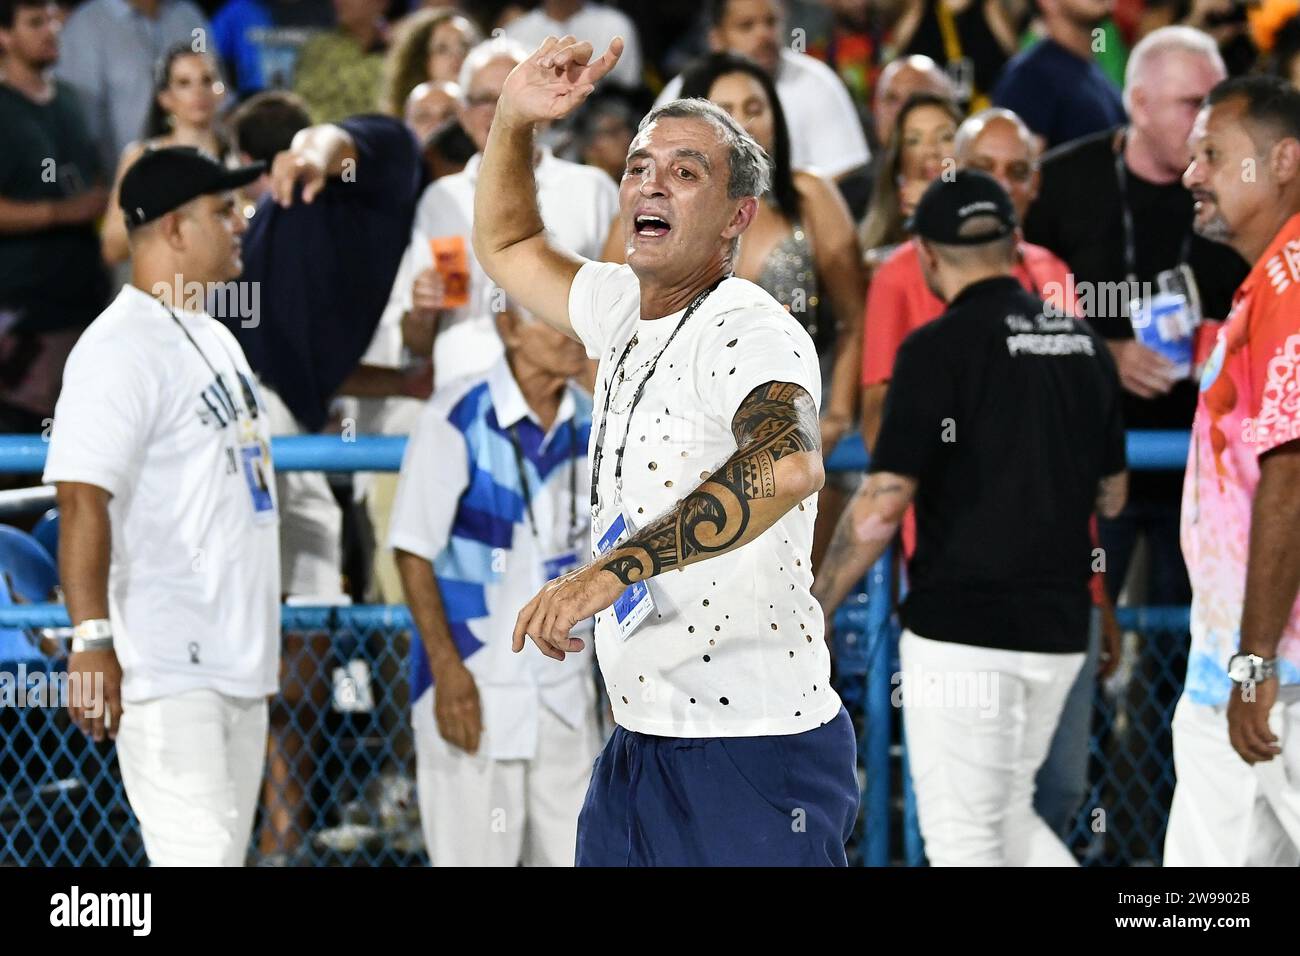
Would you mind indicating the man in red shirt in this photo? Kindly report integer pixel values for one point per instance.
(1236, 729)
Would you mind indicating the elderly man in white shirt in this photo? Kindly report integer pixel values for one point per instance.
(731, 746)
(826, 135)
(492, 502)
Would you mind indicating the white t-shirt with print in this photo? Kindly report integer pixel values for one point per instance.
(194, 580)
(735, 646)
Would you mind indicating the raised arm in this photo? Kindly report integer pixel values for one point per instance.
(510, 238)
(776, 465)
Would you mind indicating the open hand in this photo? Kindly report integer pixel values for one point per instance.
(563, 604)
(554, 81)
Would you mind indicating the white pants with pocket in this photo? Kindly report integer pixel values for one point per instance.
(476, 811)
(192, 767)
(978, 723)
(1225, 811)
(311, 521)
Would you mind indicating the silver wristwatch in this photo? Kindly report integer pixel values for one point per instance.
(93, 635)
(1251, 667)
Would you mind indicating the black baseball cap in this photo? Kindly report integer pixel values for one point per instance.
(165, 179)
(947, 205)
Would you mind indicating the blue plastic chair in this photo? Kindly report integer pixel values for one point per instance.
(46, 532)
(31, 571)
(14, 644)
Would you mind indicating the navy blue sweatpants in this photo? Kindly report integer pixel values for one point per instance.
(722, 801)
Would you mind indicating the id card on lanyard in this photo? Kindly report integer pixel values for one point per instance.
(635, 603)
(250, 455)
(255, 466)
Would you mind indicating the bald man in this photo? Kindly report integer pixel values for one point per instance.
(899, 80)
(428, 106)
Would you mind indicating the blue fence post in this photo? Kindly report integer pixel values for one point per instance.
(879, 711)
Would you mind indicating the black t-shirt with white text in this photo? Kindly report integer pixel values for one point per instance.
(1007, 418)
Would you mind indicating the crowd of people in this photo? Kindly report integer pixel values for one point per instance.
(389, 249)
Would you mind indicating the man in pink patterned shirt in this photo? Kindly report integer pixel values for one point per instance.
(1236, 730)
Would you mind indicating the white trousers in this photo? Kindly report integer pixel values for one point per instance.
(192, 767)
(978, 723)
(476, 811)
(1225, 811)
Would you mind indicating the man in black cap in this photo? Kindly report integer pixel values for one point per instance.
(169, 541)
(1003, 426)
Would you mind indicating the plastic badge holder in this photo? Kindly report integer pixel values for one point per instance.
(1164, 326)
(1167, 323)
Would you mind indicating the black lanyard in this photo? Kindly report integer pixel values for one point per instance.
(573, 482)
(250, 400)
(598, 455)
(1130, 231)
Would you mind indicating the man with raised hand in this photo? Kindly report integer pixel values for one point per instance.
(731, 746)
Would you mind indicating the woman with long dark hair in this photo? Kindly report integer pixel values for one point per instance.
(923, 140)
(187, 95)
(801, 247)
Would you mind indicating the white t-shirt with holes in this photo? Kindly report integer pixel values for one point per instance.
(735, 646)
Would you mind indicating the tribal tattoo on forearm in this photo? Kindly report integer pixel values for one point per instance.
(774, 421)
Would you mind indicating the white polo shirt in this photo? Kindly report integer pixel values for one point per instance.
(578, 205)
(195, 575)
(596, 23)
(735, 647)
(443, 494)
(826, 134)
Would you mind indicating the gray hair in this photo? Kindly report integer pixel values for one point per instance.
(1166, 40)
(751, 167)
(973, 126)
(496, 48)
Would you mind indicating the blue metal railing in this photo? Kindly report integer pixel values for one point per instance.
(25, 454)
